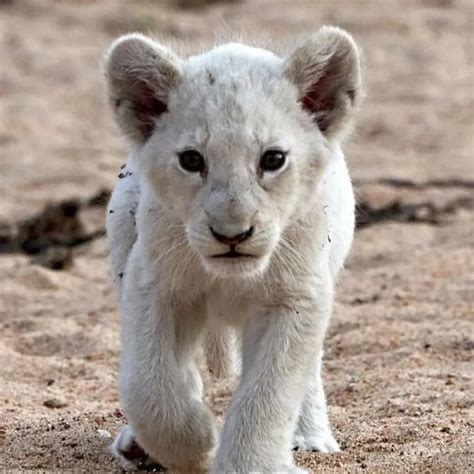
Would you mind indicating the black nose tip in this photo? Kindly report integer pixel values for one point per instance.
(234, 240)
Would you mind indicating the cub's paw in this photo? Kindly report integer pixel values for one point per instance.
(322, 441)
(130, 455)
(285, 469)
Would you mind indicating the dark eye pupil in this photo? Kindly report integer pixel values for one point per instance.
(192, 161)
(272, 160)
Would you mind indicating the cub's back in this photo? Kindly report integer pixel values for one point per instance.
(120, 220)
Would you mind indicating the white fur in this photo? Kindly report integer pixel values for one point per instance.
(231, 104)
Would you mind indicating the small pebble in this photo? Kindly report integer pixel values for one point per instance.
(104, 434)
(54, 403)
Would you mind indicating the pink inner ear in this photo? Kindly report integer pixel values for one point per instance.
(317, 102)
(147, 107)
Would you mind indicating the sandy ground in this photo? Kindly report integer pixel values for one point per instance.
(400, 349)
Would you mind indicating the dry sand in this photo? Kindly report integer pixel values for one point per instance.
(400, 349)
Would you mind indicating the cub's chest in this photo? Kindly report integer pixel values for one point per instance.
(230, 306)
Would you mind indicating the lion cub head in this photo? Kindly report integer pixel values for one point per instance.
(232, 142)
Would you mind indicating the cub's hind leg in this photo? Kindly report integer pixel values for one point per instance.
(222, 352)
(313, 432)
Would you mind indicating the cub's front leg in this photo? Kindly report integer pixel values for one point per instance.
(160, 386)
(279, 344)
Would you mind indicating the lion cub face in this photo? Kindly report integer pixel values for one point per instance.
(231, 155)
(233, 141)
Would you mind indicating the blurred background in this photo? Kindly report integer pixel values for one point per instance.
(400, 349)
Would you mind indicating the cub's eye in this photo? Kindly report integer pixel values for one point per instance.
(191, 161)
(272, 160)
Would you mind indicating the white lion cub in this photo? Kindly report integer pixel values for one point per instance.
(233, 217)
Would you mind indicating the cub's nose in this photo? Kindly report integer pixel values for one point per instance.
(235, 239)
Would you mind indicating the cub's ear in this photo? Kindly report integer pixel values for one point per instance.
(140, 74)
(326, 71)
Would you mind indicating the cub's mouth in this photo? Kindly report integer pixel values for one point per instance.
(232, 263)
(232, 253)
